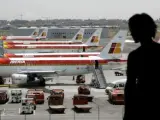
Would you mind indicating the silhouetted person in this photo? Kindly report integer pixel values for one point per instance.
(142, 90)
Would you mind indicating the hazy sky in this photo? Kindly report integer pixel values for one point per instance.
(79, 9)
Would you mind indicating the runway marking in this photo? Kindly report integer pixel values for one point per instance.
(2, 112)
(19, 111)
(34, 112)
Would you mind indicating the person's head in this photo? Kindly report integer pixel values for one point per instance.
(142, 28)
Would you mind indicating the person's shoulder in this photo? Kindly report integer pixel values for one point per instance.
(155, 44)
(135, 52)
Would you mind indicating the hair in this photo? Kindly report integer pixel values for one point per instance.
(142, 26)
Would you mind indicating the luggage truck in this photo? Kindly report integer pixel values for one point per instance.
(57, 92)
(80, 103)
(55, 101)
(28, 106)
(28, 96)
(39, 95)
(16, 95)
(4, 97)
(85, 90)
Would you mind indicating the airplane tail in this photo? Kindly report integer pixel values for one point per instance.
(79, 36)
(95, 38)
(35, 32)
(43, 34)
(115, 47)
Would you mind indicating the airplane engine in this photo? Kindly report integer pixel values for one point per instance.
(19, 78)
(27, 79)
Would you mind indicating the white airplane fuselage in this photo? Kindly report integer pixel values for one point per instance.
(61, 70)
(53, 48)
(20, 38)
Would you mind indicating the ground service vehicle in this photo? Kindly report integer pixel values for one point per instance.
(4, 97)
(33, 96)
(118, 73)
(115, 84)
(39, 95)
(28, 106)
(16, 95)
(80, 103)
(85, 90)
(80, 79)
(55, 101)
(116, 95)
(57, 92)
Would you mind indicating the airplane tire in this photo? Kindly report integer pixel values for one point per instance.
(1, 82)
(42, 81)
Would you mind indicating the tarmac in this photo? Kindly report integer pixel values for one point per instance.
(101, 108)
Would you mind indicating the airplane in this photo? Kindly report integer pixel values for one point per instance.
(90, 45)
(70, 54)
(42, 35)
(31, 55)
(28, 70)
(77, 39)
(33, 36)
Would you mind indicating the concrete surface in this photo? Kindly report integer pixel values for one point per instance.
(107, 111)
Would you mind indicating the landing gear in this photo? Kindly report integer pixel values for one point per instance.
(1, 81)
(80, 79)
(42, 81)
(31, 78)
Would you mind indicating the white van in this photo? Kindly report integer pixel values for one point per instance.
(115, 84)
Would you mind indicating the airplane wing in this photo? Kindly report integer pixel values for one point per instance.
(42, 73)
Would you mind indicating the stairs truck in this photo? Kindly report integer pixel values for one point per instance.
(55, 101)
(80, 103)
(28, 106)
(85, 90)
(38, 94)
(4, 97)
(16, 95)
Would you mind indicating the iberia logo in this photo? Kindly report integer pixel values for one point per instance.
(35, 33)
(44, 34)
(2, 37)
(79, 37)
(115, 48)
(94, 39)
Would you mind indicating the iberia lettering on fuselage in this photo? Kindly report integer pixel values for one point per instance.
(16, 61)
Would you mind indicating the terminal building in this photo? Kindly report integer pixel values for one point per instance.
(66, 32)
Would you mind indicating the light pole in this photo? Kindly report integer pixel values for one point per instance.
(49, 116)
(97, 107)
